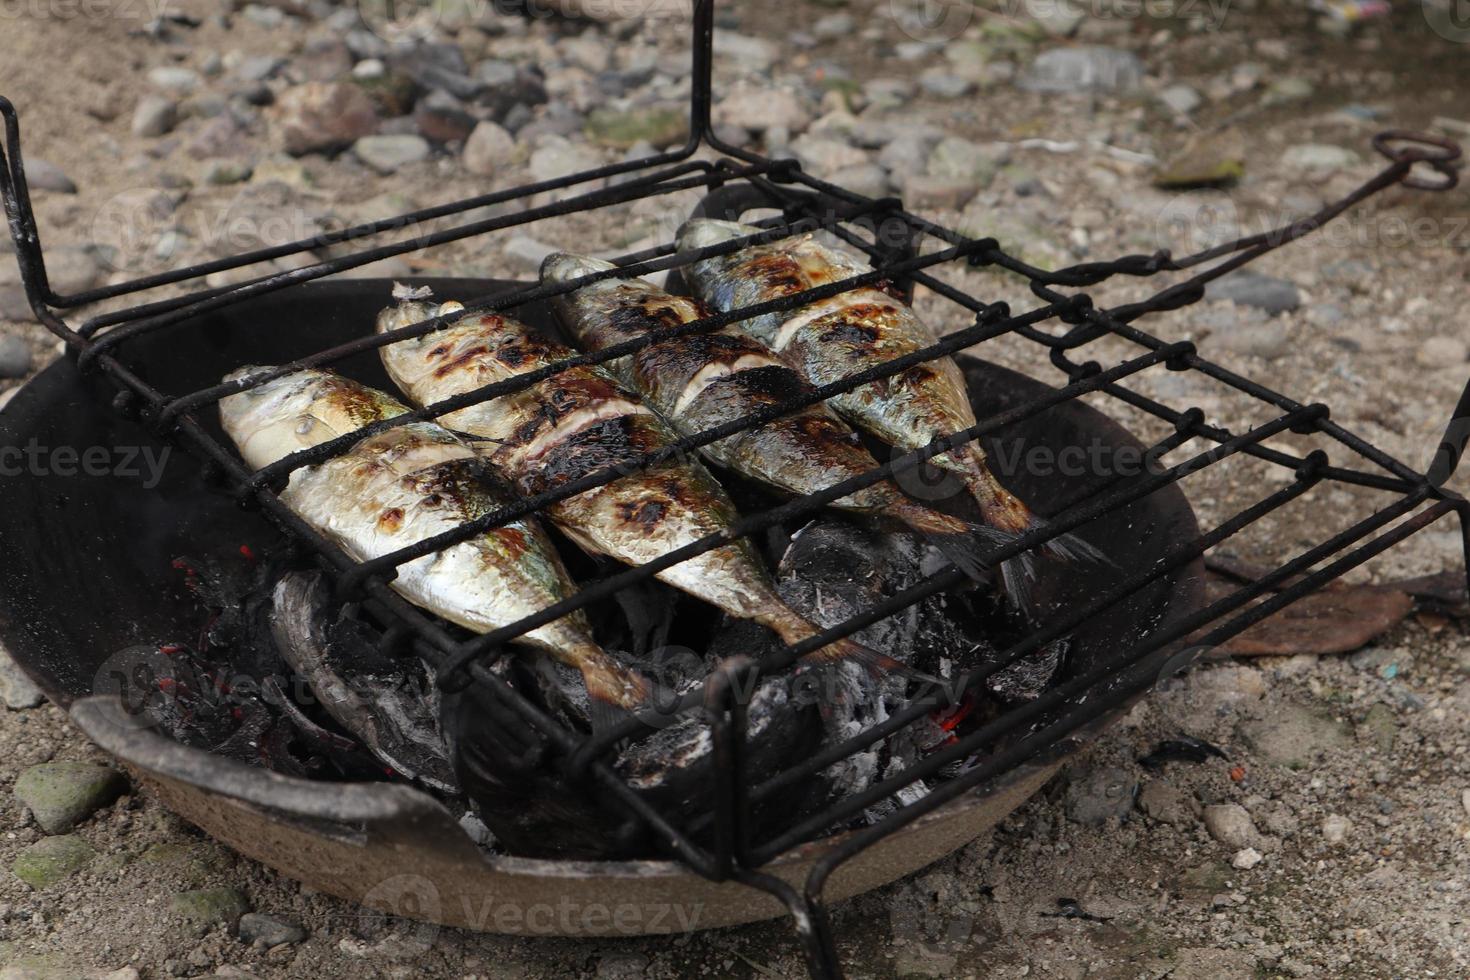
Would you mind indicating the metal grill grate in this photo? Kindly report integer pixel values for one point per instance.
(1410, 500)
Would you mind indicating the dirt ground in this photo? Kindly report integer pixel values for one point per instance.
(1354, 770)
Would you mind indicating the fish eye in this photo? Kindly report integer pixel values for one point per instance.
(305, 424)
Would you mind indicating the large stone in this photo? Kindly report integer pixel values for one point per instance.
(1231, 825)
(210, 907)
(957, 157)
(1083, 69)
(16, 689)
(442, 118)
(1167, 803)
(42, 175)
(1294, 737)
(823, 155)
(558, 157)
(757, 108)
(323, 116)
(154, 115)
(51, 860)
(388, 154)
(1246, 288)
(489, 150)
(753, 54)
(61, 795)
(660, 126)
(259, 929)
(15, 362)
(1098, 796)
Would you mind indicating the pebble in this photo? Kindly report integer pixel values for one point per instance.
(17, 690)
(557, 157)
(1246, 288)
(888, 93)
(1083, 69)
(1167, 803)
(824, 155)
(155, 115)
(51, 860)
(442, 118)
(257, 928)
(210, 907)
(15, 362)
(60, 795)
(754, 54)
(1293, 736)
(955, 156)
(1181, 98)
(1437, 352)
(1268, 339)
(943, 85)
(387, 154)
(1101, 795)
(1318, 158)
(1231, 825)
(1335, 828)
(758, 108)
(660, 126)
(906, 155)
(258, 68)
(1246, 858)
(489, 149)
(170, 78)
(867, 179)
(318, 117)
(42, 175)
(369, 68)
(525, 253)
(941, 193)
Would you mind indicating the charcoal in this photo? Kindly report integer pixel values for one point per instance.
(389, 703)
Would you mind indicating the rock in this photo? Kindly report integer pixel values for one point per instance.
(1100, 795)
(868, 179)
(442, 118)
(488, 150)
(323, 116)
(944, 85)
(387, 154)
(61, 795)
(259, 929)
(1231, 825)
(1181, 99)
(42, 175)
(323, 59)
(439, 66)
(221, 173)
(17, 690)
(155, 115)
(1083, 69)
(962, 159)
(754, 55)
(1246, 858)
(1246, 288)
(1214, 159)
(258, 68)
(170, 78)
(1319, 158)
(524, 253)
(888, 93)
(906, 155)
(1293, 737)
(1335, 828)
(558, 157)
(1267, 339)
(1289, 90)
(925, 192)
(210, 907)
(969, 59)
(369, 68)
(221, 137)
(823, 155)
(660, 126)
(51, 860)
(1057, 17)
(15, 362)
(759, 108)
(507, 89)
(1167, 803)
(1442, 351)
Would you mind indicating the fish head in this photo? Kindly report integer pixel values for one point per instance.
(297, 411)
(563, 267)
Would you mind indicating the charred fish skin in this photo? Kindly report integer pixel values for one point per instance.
(700, 381)
(578, 422)
(861, 328)
(407, 483)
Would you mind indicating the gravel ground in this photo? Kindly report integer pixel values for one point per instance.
(1334, 840)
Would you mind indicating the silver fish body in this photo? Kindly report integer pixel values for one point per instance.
(699, 381)
(581, 421)
(405, 484)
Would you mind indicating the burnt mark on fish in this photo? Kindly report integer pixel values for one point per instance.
(459, 360)
(674, 362)
(855, 325)
(644, 513)
(778, 273)
(610, 443)
(390, 521)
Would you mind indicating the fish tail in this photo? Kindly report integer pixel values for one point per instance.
(792, 628)
(614, 691)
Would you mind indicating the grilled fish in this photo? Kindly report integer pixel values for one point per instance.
(699, 381)
(850, 332)
(406, 484)
(578, 422)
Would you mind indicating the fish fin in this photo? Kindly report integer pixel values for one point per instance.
(1070, 548)
(406, 293)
